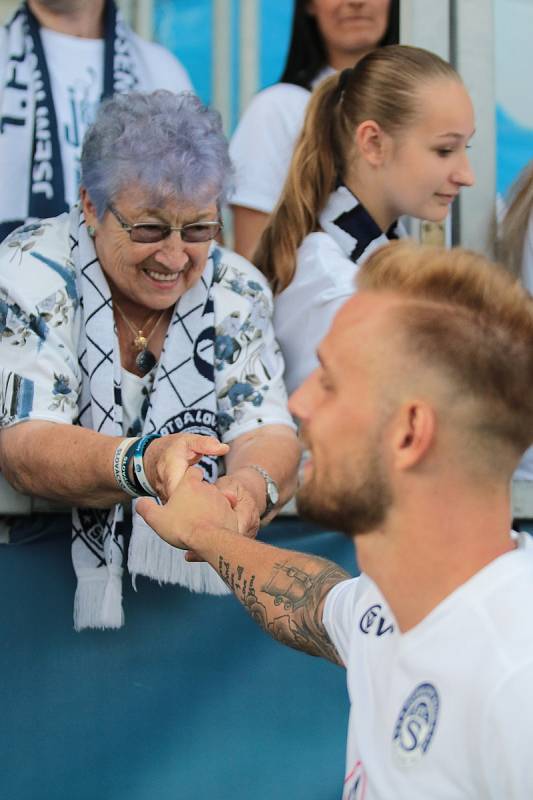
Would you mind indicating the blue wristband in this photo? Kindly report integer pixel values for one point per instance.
(138, 462)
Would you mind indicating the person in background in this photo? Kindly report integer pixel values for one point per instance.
(131, 342)
(327, 35)
(414, 421)
(515, 249)
(515, 242)
(385, 138)
(58, 59)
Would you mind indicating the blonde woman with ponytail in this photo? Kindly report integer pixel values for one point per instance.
(380, 140)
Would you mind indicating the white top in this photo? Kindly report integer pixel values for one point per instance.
(303, 312)
(326, 264)
(76, 76)
(135, 390)
(261, 147)
(444, 711)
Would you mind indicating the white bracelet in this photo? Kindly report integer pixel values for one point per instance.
(119, 470)
(138, 462)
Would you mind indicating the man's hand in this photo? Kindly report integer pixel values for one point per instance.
(193, 507)
(243, 502)
(167, 459)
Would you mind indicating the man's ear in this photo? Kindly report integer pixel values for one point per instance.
(413, 434)
(372, 142)
(89, 209)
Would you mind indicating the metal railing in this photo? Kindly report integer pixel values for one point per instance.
(13, 503)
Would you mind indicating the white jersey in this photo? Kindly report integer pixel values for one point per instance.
(262, 146)
(304, 311)
(327, 262)
(444, 711)
(75, 66)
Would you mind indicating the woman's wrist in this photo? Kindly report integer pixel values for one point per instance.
(128, 466)
(260, 485)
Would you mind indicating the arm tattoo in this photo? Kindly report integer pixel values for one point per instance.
(289, 605)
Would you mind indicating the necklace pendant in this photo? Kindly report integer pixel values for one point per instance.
(145, 361)
(140, 341)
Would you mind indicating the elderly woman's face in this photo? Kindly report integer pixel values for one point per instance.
(153, 275)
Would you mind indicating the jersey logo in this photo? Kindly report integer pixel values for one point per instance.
(373, 622)
(416, 723)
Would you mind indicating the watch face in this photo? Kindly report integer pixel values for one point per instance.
(272, 491)
(273, 494)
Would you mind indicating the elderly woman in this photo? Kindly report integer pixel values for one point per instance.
(132, 345)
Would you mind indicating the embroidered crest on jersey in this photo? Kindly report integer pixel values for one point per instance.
(416, 724)
(374, 622)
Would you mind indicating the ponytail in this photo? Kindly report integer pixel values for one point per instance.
(312, 175)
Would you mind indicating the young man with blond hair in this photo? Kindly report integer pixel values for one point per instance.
(414, 421)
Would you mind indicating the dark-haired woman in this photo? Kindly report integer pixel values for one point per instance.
(327, 35)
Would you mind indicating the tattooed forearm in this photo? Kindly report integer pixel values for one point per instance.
(289, 604)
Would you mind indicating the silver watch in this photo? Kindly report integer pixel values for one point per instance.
(271, 490)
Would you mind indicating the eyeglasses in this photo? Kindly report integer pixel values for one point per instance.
(150, 232)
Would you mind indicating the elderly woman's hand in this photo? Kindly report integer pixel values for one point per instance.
(167, 459)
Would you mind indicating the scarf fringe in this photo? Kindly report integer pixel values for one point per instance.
(152, 557)
(98, 602)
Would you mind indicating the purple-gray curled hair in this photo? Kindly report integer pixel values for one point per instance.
(163, 142)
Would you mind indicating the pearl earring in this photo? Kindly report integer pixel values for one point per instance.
(91, 230)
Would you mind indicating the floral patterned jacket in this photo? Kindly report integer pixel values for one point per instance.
(40, 377)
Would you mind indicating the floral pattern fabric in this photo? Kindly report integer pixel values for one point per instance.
(40, 377)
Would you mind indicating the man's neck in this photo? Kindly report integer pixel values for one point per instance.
(84, 20)
(422, 557)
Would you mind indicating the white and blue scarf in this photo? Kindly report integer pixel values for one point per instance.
(348, 222)
(28, 124)
(183, 399)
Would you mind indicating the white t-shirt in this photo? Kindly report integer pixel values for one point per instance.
(261, 147)
(75, 66)
(135, 389)
(324, 279)
(303, 312)
(444, 711)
